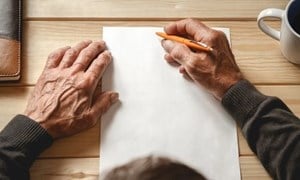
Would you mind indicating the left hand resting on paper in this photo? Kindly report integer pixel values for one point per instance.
(67, 98)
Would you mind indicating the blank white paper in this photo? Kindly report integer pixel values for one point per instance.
(160, 112)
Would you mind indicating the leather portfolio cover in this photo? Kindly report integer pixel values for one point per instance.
(10, 38)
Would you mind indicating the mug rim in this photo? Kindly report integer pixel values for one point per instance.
(287, 20)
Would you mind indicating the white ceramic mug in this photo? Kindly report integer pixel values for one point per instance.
(289, 35)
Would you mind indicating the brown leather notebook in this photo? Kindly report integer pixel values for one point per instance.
(10, 38)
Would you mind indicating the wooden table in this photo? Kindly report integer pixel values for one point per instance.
(49, 24)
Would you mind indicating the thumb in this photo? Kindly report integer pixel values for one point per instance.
(103, 101)
(179, 52)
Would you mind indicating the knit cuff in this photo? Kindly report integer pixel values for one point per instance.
(241, 100)
(25, 135)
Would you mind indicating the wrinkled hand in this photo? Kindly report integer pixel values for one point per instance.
(67, 97)
(217, 70)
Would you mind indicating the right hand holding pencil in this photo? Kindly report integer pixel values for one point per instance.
(217, 71)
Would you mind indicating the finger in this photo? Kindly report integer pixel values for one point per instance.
(103, 101)
(184, 73)
(170, 60)
(98, 66)
(87, 55)
(72, 53)
(188, 27)
(178, 52)
(55, 57)
(182, 70)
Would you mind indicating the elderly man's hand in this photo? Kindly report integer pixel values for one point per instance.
(67, 98)
(217, 70)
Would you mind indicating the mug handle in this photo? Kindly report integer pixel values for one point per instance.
(269, 13)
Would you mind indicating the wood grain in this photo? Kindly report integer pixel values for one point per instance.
(257, 55)
(251, 169)
(65, 169)
(244, 149)
(88, 169)
(146, 9)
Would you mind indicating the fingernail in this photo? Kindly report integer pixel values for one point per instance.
(107, 52)
(107, 55)
(114, 97)
(167, 45)
(163, 43)
(102, 42)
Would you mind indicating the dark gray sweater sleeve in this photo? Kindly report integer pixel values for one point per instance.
(21, 141)
(270, 128)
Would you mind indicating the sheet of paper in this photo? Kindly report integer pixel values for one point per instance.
(160, 112)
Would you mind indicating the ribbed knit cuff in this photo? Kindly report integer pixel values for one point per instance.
(241, 100)
(27, 136)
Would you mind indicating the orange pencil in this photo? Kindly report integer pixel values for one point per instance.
(190, 43)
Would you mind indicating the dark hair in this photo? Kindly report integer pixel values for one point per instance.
(153, 168)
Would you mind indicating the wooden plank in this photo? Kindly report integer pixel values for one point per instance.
(146, 9)
(260, 62)
(251, 169)
(290, 96)
(244, 148)
(88, 169)
(65, 169)
(86, 144)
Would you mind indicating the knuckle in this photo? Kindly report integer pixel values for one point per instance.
(88, 53)
(92, 78)
(176, 52)
(71, 53)
(101, 64)
(76, 67)
(53, 55)
(84, 85)
(217, 35)
(98, 45)
(193, 64)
